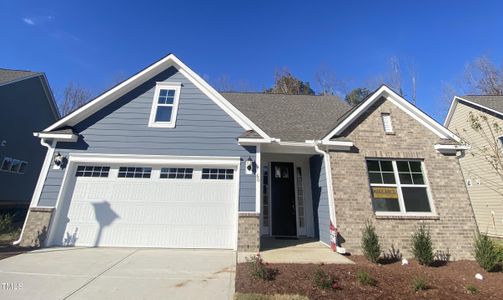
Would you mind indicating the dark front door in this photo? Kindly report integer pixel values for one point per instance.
(283, 199)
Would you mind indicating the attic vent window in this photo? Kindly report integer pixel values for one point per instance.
(386, 120)
(165, 105)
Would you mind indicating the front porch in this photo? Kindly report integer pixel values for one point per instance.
(294, 198)
(295, 251)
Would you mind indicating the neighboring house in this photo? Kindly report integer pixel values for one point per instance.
(27, 106)
(164, 160)
(484, 184)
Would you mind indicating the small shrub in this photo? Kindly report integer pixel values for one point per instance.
(422, 248)
(259, 270)
(364, 278)
(370, 243)
(419, 284)
(472, 289)
(392, 256)
(486, 252)
(6, 223)
(323, 280)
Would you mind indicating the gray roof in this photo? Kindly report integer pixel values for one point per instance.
(293, 118)
(7, 75)
(492, 102)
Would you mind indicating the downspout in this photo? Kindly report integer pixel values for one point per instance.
(40, 183)
(330, 187)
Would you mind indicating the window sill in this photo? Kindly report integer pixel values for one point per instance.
(390, 133)
(407, 217)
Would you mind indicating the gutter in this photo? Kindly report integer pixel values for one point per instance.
(330, 189)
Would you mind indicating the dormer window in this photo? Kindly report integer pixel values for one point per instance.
(386, 120)
(165, 105)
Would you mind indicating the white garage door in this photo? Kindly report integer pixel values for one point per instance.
(149, 206)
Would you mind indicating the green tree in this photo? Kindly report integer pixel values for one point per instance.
(286, 83)
(356, 96)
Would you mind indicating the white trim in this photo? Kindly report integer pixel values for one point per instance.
(40, 182)
(153, 159)
(70, 137)
(398, 185)
(401, 103)
(454, 104)
(174, 107)
(134, 81)
(252, 141)
(258, 179)
(451, 148)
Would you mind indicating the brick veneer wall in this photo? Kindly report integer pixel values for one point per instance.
(249, 232)
(454, 226)
(37, 226)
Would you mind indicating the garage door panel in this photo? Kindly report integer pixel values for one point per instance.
(151, 212)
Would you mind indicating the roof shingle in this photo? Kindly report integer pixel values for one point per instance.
(492, 102)
(293, 118)
(7, 75)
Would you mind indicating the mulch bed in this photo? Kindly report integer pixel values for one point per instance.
(394, 281)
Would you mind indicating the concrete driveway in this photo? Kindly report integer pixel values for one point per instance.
(118, 273)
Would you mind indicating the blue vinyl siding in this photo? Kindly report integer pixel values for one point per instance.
(202, 129)
(25, 109)
(319, 191)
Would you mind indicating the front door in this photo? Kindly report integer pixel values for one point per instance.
(283, 199)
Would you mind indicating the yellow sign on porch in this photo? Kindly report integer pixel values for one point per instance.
(385, 192)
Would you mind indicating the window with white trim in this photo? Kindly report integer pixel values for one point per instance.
(386, 120)
(398, 187)
(165, 105)
(176, 173)
(92, 171)
(13, 165)
(222, 174)
(134, 172)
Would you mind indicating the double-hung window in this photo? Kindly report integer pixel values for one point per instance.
(399, 187)
(165, 105)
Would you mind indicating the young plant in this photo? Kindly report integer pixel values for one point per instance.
(422, 248)
(323, 280)
(6, 221)
(419, 284)
(471, 289)
(259, 270)
(370, 243)
(486, 252)
(364, 278)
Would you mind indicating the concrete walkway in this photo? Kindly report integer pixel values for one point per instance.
(118, 273)
(303, 251)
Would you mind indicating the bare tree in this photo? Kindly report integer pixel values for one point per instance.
(395, 76)
(483, 77)
(328, 82)
(413, 83)
(74, 97)
(490, 150)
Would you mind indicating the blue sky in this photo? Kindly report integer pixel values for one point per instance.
(95, 43)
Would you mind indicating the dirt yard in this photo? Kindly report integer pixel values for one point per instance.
(394, 281)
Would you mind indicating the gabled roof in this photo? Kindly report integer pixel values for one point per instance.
(292, 118)
(136, 80)
(9, 76)
(492, 104)
(401, 103)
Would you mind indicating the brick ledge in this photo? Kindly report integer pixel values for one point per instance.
(407, 217)
(248, 214)
(41, 209)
